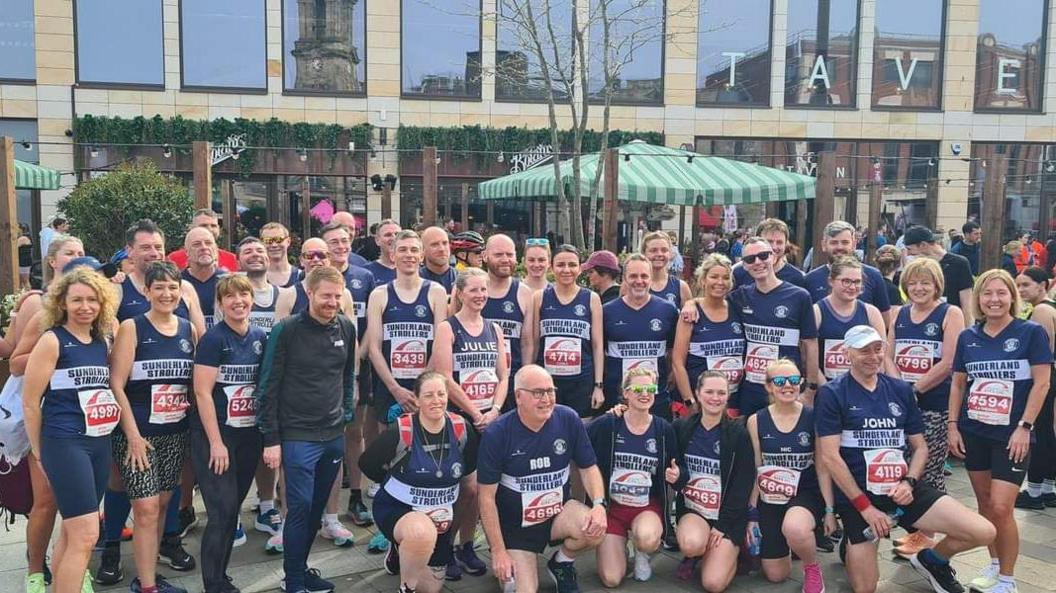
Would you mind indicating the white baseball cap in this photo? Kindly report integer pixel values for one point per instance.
(861, 336)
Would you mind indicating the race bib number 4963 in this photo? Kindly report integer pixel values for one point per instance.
(101, 412)
(990, 401)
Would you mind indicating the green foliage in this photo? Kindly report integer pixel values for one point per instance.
(100, 209)
(508, 140)
(179, 132)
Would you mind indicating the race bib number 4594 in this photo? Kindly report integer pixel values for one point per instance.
(990, 401)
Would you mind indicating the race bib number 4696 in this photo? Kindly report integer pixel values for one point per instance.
(540, 507)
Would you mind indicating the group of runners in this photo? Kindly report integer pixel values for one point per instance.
(759, 408)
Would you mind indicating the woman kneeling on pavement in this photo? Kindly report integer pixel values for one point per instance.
(713, 476)
(633, 451)
(419, 462)
(792, 495)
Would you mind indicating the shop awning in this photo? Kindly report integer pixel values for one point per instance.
(661, 175)
(30, 176)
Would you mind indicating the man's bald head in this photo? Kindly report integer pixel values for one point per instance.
(500, 256)
(345, 218)
(197, 233)
(311, 249)
(437, 248)
(313, 244)
(499, 241)
(201, 249)
(532, 376)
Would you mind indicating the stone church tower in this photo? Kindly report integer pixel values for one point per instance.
(326, 54)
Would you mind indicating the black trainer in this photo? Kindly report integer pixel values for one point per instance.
(563, 574)
(315, 583)
(188, 520)
(942, 577)
(229, 585)
(392, 560)
(109, 571)
(822, 542)
(1033, 503)
(172, 552)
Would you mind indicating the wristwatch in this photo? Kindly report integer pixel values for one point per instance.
(1027, 425)
(813, 386)
(599, 502)
(599, 385)
(910, 480)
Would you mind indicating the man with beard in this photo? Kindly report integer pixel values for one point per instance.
(276, 239)
(384, 268)
(314, 254)
(839, 240)
(201, 271)
(437, 266)
(309, 373)
(209, 220)
(509, 304)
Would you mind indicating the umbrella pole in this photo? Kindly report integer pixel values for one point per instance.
(8, 218)
(612, 180)
(824, 203)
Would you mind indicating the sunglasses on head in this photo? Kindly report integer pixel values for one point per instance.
(273, 240)
(649, 388)
(314, 255)
(762, 256)
(537, 242)
(780, 381)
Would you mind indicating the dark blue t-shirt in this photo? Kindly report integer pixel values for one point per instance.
(447, 279)
(872, 426)
(999, 379)
(237, 360)
(360, 283)
(532, 468)
(788, 457)
(716, 346)
(382, 274)
(788, 273)
(702, 493)
(874, 291)
(634, 464)
(638, 339)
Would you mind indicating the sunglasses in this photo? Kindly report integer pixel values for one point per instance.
(314, 255)
(537, 242)
(273, 240)
(791, 380)
(649, 388)
(762, 256)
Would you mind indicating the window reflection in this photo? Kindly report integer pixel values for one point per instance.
(207, 27)
(324, 45)
(733, 52)
(907, 53)
(132, 57)
(1029, 191)
(441, 49)
(519, 74)
(17, 45)
(635, 48)
(1010, 54)
(821, 53)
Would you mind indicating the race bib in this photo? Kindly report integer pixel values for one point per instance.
(441, 516)
(913, 360)
(777, 485)
(884, 469)
(436, 503)
(563, 356)
(630, 487)
(101, 412)
(479, 386)
(540, 507)
(703, 494)
(731, 366)
(168, 403)
(835, 359)
(241, 406)
(990, 401)
(757, 359)
(407, 358)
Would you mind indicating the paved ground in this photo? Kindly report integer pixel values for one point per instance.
(356, 571)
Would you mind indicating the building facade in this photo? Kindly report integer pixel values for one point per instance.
(909, 93)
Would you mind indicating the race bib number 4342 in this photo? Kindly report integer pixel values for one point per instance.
(168, 403)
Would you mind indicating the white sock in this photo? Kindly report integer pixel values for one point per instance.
(330, 519)
(1033, 489)
(995, 562)
(1006, 579)
(267, 505)
(1048, 486)
(562, 557)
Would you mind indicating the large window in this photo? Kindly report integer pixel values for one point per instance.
(907, 53)
(23, 130)
(519, 73)
(733, 53)
(119, 42)
(324, 46)
(223, 44)
(1010, 54)
(441, 49)
(635, 46)
(821, 53)
(16, 41)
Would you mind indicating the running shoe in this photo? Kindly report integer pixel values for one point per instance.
(392, 560)
(643, 571)
(126, 533)
(1049, 499)
(35, 583)
(274, 545)
(359, 513)
(813, 582)
(941, 576)
(188, 520)
(986, 580)
(164, 586)
(172, 552)
(377, 544)
(372, 490)
(466, 556)
(1025, 501)
(342, 537)
(229, 585)
(687, 568)
(109, 571)
(671, 541)
(315, 583)
(947, 469)
(913, 544)
(239, 536)
(1004, 587)
(822, 542)
(86, 584)
(405, 589)
(269, 522)
(563, 575)
(453, 572)
(47, 572)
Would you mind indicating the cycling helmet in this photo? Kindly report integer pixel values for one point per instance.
(467, 241)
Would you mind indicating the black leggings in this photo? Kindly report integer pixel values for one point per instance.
(223, 496)
(1043, 463)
